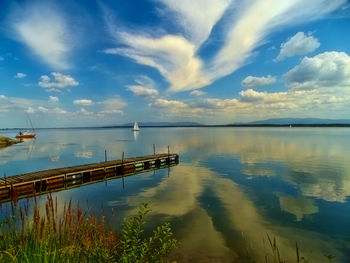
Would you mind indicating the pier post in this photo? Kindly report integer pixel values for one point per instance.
(123, 170)
(105, 155)
(168, 159)
(154, 149)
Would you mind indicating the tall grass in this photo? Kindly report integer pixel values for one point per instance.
(75, 237)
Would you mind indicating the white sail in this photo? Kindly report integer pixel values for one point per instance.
(136, 127)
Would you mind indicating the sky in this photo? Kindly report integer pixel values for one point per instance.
(99, 62)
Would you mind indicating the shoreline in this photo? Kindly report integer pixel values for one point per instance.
(5, 141)
(340, 125)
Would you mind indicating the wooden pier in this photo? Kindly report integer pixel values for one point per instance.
(41, 182)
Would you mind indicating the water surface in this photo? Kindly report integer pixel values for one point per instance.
(232, 186)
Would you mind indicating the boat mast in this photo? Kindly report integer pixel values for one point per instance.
(31, 124)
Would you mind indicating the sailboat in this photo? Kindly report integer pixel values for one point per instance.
(136, 127)
(27, 135)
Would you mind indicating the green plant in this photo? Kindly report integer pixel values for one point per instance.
(135, 247)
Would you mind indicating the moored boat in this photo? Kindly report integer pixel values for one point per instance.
(25, 135)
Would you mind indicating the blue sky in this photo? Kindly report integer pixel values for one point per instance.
(81, 63)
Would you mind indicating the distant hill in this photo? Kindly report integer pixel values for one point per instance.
(303, 121)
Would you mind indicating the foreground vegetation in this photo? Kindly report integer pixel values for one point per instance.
(73, 236)
(76, 237)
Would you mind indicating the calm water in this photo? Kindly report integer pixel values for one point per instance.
(232, 186)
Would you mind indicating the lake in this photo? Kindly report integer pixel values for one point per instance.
(232, 187)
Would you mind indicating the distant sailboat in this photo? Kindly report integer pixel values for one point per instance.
(136, 127)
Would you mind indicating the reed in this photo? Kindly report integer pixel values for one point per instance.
(77, 237)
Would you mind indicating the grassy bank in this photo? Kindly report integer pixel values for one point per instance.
(4, 141)
(77, 237)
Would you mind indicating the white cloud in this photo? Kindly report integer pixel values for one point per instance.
(83, 102)
(197, 93)
(163, 103)
(20, 75)
(145, 88)
(251, 81)
(251, 95)
(58, 110)
(83, 111)
(53, 99)
(112, 105)
(60, 81)
(323, 70)
(17, 103)
(299, 44)
(42, 109)
(30, 110)
(252, 104)
(143, 91)
(43, 29)
(177, 107)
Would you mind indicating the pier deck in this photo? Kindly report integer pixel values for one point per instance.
(29, 184)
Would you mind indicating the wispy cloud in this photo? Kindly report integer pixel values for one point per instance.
(173, 56)
(197, 18)
(246, 26)
(44, 30)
